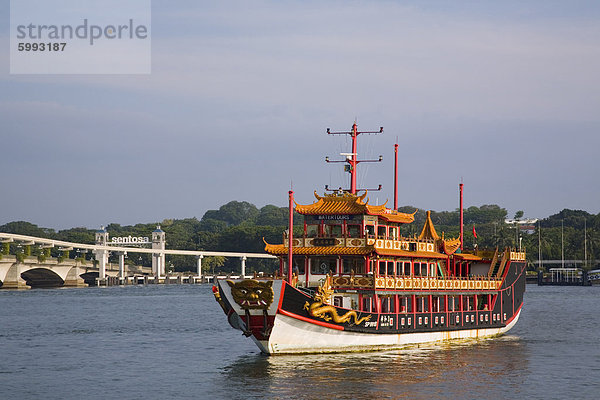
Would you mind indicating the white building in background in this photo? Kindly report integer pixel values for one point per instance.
(525, 225)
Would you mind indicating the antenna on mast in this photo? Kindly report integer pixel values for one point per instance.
(351, 159)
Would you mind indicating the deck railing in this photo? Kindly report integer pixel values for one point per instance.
(402, 243)
(415, 283)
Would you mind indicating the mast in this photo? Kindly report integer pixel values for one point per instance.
(352, 158)
(460, 186)
(290, 236)
(396, 177)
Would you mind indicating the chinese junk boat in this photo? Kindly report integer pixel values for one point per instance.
(353, 282)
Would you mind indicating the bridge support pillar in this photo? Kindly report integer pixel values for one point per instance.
(199, 261)
(101, 255)
(122, 255)
(243, 267)
(74, 279)
(158, 259)
(158, 266)
(102, 258)
(12, 279)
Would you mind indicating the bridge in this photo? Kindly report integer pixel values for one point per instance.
(73, 273)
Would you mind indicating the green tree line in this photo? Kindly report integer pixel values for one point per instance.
(240, 226)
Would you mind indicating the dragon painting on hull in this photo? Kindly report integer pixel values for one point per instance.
(319, 309)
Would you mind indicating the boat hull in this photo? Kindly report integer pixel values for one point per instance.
(290, 336)
(294, 321)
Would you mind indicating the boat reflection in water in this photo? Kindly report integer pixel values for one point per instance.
(460, 369)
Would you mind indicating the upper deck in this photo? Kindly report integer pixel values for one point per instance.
(345, 236)
(347, 224)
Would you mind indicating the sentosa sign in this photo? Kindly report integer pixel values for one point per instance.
(131, 240)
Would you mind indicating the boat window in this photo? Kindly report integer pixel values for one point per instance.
(381, 232)
(407, 268)
(437, 304)
(366, 304)
(355, 264)
(423, 304)
(453, 303)
(390, 268)
(385, 304)
(482, 302)
(432, 271)
(298, 265)
(467, 303)
(338, 301)
(312, 230)
(417, 268)
(334, 230)
(419, 303)
(322, 265)
(370, 230)
(354, 231)
(388, 304)
(405, 304)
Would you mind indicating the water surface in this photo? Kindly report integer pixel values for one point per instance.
(173, 341)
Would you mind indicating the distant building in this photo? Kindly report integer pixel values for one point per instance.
(525, 225)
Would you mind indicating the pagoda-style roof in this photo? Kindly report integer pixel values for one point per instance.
(467, 257)
(446, 246)
(280, 249)
(428, 231)
(450, 246)
(348, 203)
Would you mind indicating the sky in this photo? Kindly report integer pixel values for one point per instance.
(504, 96)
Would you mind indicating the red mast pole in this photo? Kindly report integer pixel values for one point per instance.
(461, 215)
(290, 236)
(396, 177)
(353, 160)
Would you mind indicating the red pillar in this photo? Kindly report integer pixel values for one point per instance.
(290, 236)
(396, 176)
(353, 161)
(461, 215)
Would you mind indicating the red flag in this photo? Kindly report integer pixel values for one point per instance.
(474, 233)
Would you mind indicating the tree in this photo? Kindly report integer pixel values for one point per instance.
(234, 212)
(209, 264)
(26, 228)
